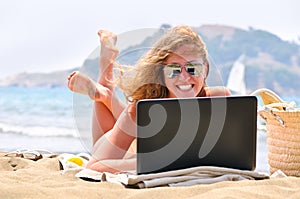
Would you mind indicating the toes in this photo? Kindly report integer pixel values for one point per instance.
(72, 74)
(71, 80)
(107, 36)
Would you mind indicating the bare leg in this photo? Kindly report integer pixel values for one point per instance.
(116, 143)
(102, 121)
(81, 83)
(104, 117)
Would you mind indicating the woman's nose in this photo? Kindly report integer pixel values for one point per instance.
(184, 74)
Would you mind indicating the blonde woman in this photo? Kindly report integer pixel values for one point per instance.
(175, 67)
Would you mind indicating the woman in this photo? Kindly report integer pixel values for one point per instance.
(176, 67)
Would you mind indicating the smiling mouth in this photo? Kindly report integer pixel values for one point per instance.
(185, 87)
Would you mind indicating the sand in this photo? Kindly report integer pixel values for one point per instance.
(22, 178)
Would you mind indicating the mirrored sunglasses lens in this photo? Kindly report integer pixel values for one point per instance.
(191, 70)
(172, 70)
(195, 69)
(176, 72)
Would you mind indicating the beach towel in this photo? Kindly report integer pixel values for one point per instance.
(181, 177)
(70, 161)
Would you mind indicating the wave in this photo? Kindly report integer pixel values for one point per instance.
(39, 131)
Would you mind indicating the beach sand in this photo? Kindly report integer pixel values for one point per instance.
(22, 178)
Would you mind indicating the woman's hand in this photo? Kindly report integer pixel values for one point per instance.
(217, 91)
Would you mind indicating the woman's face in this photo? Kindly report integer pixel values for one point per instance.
(184, 84)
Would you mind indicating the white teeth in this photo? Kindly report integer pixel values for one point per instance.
(185, 87)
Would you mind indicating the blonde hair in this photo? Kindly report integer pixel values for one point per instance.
(145, 80)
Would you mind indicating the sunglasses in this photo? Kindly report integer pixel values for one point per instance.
(193, 68)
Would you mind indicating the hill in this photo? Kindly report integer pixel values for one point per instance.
(49, 80)
(270, 62)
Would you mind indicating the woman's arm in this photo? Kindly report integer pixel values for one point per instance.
(112, 166)
(114, 144)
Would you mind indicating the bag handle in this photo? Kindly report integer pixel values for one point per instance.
(272, 101)
(267, 96)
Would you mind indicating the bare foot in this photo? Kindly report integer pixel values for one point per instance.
(108, 55)
(108, 38)
(80, 83)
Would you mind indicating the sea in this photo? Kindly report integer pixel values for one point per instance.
(40, 118)
(58, 120)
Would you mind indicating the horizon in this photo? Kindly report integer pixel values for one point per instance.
(52, 35)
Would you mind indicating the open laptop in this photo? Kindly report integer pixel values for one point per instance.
(181, 133)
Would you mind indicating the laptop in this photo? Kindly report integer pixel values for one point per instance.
(182, 133)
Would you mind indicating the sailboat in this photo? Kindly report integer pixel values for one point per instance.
(236, 80)
(237, 85)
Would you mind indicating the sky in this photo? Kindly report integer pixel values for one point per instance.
(51, 35)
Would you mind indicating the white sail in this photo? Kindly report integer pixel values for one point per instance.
(236, 79)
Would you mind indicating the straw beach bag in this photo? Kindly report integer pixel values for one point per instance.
(283, 132)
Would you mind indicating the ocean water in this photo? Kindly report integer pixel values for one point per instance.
(38, 118)
(36, 111)
(58, 120)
